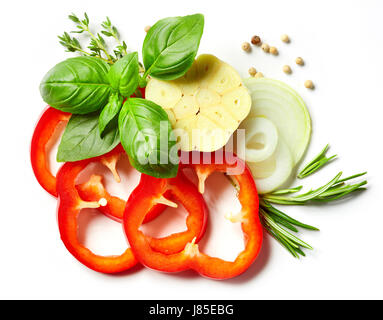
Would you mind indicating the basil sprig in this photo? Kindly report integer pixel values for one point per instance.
(123, 77)
(93, 89)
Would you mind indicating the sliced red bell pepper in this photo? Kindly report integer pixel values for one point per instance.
(70, 204)
(191, 257)
(153, 190)
(90, 191)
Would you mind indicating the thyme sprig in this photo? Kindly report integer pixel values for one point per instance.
(97, 46)
(71, 44)
(111, 31)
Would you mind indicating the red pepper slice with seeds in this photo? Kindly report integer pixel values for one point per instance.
(153, 190)
(70, 204)
(93, 189)
(191, 257)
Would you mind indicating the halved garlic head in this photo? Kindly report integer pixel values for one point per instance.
(208, 103)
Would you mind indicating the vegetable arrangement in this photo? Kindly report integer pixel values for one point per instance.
(171, 112)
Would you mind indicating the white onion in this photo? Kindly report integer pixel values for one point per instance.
(274, 171)
(261, 139)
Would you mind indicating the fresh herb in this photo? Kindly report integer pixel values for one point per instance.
(97, 44)
(145, 133)
(171, 46)
(111, 31)
(72, 44)
(77, 85)
(335, 189)
(318, 162)
(110, 112)
(276, 223)
(82, 140)
(124, 75)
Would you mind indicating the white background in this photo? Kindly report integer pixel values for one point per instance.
(342, 44)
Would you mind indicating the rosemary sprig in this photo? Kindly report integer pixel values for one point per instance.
(292, 243)
(276, 222)
(318, 162)
(335, 189)
(265, 205)
(279, 225)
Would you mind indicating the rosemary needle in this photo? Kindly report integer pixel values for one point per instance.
(318, 162)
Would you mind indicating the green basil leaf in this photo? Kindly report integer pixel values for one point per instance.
(124, 75)
(82, 140)
(171, 46)
(77, 85)
(110, 111)
(146, 136)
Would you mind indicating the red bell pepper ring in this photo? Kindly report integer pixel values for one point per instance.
(191, 257)
(70, 204)
(153, 190)
(93, 189)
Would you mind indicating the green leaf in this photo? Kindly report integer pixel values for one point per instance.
(82, 140)
(145, 134)
(77, 85)
(171, 46)
(124, 76)
(108, 34)
(74, 18)
(110, 111)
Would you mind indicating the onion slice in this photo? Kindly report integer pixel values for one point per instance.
(261, 139)
(274, 171)
(284, 107)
